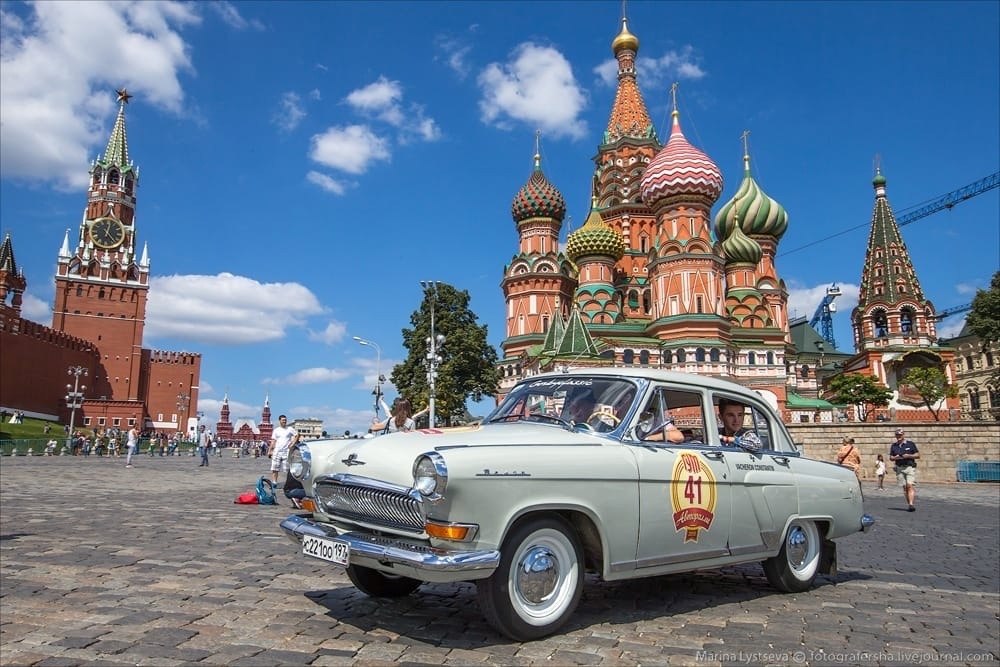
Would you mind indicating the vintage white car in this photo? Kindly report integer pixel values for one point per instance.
(572, 472)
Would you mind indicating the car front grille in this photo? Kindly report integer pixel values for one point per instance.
(351, 498)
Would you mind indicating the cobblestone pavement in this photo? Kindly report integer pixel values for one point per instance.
(155, 565)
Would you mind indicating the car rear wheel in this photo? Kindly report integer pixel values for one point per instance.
(538, 583)
(378, 585)
(794, 568)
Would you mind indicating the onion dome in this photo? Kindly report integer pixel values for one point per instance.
(757, 213)
(680, 169)
(538, 198)
(879, 180)
(595, 238)
(741, 248)
(625, 39)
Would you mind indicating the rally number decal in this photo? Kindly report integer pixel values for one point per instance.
(692, 495)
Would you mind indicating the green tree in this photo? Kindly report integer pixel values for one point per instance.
(863, 391)
(984, 318)
(931, 385)
(468, 367)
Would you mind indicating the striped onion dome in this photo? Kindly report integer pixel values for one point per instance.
(757, 213)
(538, 198)
(595, 238)
(741, 248)
(680, 169)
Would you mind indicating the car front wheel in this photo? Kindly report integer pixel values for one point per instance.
(538, 583)
(377, 585)
(794, 568)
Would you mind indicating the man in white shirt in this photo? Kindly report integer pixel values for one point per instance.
(132, 444)
(282, 439)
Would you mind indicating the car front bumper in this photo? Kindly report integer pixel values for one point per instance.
(398, 556)
(867, 521)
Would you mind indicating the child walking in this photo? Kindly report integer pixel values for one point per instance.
(880, 472)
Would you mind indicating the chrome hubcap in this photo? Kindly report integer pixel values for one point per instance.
(537, 574)
(797, 547)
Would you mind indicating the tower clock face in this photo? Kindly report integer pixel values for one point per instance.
(107, 232)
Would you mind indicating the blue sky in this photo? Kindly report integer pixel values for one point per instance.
(303, 166)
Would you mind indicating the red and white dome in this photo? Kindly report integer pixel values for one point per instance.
(680, 169)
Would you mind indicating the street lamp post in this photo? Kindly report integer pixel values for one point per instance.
(183, 400)
(434, 342)
(74, 398)
(379, 378)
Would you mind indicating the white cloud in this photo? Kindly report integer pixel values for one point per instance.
(290, 112)
(950, 327)
(535, 87)
(225, 308)
(314, 94)
(60, 68)
(232, 17)
(454, 52)
(803, 301)
(311, 376)
(383, 100)
(656, 73)
(36, 310)
(327, 183)
(378, 96)
(966, 289)
(333, 333)
(350, 148)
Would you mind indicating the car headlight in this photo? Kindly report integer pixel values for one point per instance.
(300, 462)
(430, 475)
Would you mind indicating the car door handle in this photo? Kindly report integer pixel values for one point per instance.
(713, 455)
(783, 460)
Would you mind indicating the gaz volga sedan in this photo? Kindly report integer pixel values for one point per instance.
(626, 473)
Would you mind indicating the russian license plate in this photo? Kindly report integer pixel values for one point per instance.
(335, 551)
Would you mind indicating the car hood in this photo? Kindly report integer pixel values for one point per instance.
(390, 457)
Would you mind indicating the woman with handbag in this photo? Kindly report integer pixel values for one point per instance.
(849, 456)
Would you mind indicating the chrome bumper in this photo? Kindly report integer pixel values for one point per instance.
(398, 556)
(867, 521)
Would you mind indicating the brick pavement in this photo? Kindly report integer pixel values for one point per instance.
(156, 566)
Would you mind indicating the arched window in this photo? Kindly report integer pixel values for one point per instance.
(714, 355)
(646, 302)
(973, 398)
(628, 357)
(752, 358)
(770, 358)
(699, 354)
(545, 323)
(881, 324)
(113, 177)
(804, 371)
(906, 320)
(681, 356)
(668, 357)
(129, 182)
(644, 357)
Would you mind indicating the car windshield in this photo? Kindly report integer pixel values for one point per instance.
(590, 403)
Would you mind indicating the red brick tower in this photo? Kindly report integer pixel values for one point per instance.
(266, 428)
(224, 427)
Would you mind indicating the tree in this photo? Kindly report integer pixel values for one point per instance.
(468, 367)
(931, 385)
(863, 391)
(984, 318)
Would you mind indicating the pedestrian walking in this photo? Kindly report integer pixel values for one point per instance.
(204, 440)
(880, 471)
(282, 439)
(849, 456)
(904, 455)
(131, 444)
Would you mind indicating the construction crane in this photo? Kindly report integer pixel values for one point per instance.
(949, 200)
(824, 315)
(947, 312)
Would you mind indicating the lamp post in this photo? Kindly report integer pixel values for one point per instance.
(74, 398)
(379, 378)
(434, 342)
(183, 400)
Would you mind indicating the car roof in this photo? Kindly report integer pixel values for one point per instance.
(659, 375)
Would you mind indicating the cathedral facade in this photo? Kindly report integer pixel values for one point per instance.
(652, 278)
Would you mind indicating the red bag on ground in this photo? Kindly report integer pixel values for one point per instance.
(246, 498)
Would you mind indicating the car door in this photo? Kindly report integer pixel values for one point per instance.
(685, 501)
(762, 482)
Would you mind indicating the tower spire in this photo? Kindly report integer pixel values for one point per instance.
(746, 151)
(116, 152)
(629, 117)
(538, 150)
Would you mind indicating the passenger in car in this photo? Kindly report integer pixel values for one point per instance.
(731, 414)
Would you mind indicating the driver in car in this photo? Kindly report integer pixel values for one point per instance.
(579, 406)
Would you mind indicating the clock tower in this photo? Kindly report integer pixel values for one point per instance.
(101, 286)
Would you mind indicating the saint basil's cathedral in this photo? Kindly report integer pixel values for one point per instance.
(652, 279)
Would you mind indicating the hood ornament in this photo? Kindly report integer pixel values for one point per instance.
(352, 460)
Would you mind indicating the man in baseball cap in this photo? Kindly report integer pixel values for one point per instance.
(905, 454)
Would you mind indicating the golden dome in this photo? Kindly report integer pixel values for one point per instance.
(625, 39)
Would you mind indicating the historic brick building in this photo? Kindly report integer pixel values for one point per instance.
(101, 286)
(650, 279)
